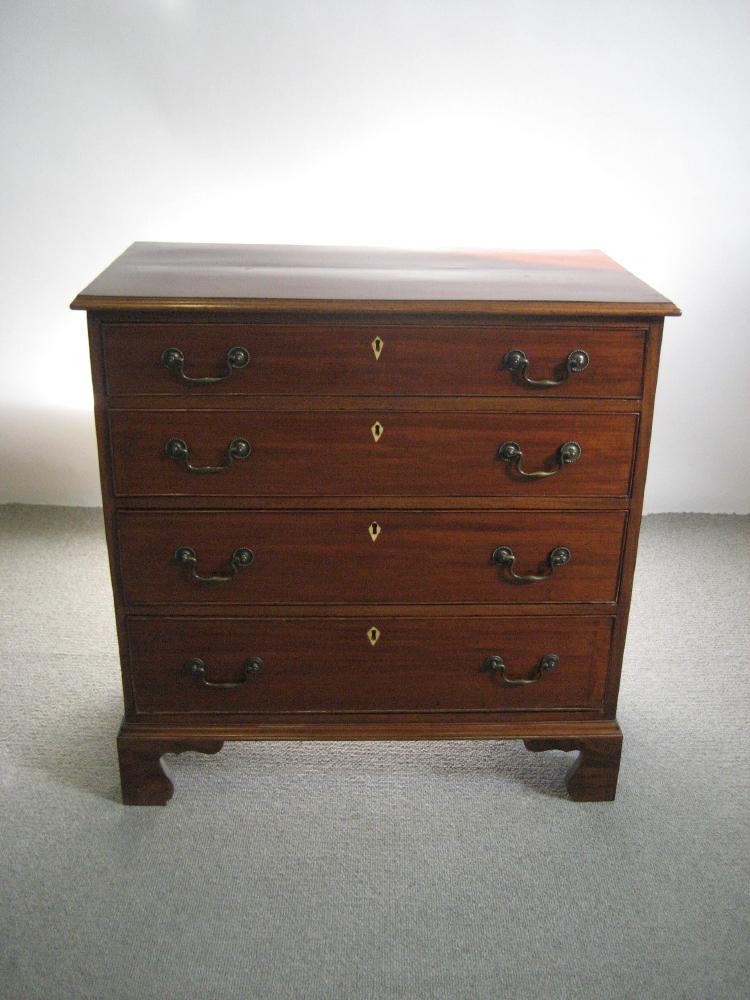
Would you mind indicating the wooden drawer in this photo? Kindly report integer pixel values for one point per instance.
(329, 454)
(321, 359)
(416, 664)
(381, 557)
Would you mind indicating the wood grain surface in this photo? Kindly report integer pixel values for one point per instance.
(375, 556)
(330, 665)
(341, 341)
(370, 359)
(221, 276)
(335, 454)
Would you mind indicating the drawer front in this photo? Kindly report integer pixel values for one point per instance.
(360, 557)
(318, 359)
(368, 454)
(415, 664)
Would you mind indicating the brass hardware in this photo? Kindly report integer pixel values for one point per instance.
(516, 361)
(249, 668)
(373, 635)
(176, 448)
(174, 361)
(503, 556)
(377, 430)
(374, 529)
(510, 452)
(496, 664)
(185, 556)
(377, 347)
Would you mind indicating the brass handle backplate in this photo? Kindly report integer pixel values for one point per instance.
(496, 665)
(516, 361)
(249, 668)
(173, 360)
(510, 452)
(505, 557)
(176, 448)
(186, 556)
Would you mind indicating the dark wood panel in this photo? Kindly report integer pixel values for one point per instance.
(630, 549)
(187, 275)
(374, 556)
(358, 610)
(369, 359)
(389, 503)
(514, 725)
(386, 503)
(385, 404)
(331, 665)
(335, 454)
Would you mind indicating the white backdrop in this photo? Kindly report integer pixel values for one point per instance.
(531, 123)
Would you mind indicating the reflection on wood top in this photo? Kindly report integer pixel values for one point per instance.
(340, 279)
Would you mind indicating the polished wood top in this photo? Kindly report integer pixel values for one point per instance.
(340, 279)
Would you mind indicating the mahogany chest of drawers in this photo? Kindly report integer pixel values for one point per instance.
(371, 494)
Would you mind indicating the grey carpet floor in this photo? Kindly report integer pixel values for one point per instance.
(427, 871)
